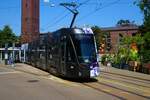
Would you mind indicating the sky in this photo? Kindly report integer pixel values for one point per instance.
(103, 13)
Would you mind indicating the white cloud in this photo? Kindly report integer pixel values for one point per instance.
(46, 0)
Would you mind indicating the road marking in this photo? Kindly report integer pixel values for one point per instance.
(3, 73)
(62, 81)
(101, 68)
(124, 92)
(146, 94)
(56, 79)
(106, 90)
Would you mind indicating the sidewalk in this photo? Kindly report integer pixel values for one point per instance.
(127, 73)
(104, 69)
(28, 69)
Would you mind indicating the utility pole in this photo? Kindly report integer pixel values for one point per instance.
(72, 10)
(6, 53)
(13, 54)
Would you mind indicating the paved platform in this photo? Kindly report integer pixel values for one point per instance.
(30, 69)
(125, 73)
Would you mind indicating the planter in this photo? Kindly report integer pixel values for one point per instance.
(146, 68)
(116, 65)
(124, 66)
(134, 66)
(109, 64)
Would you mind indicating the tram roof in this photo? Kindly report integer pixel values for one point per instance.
(76, 30)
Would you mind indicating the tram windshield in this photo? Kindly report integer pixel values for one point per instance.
(85, 47)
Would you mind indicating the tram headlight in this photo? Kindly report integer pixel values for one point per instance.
(71, 67)
(80, 74)
(91, 67)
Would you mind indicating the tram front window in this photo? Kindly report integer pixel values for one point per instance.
(85, 47)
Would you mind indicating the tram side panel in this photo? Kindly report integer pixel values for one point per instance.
(52, 54)
(41, 52)
(72, 67)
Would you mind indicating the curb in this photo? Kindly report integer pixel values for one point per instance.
(29, 71)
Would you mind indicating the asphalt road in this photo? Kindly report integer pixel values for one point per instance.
(18, 85)
(15, 85)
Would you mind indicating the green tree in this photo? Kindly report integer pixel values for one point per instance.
(7, 36)
(145, 50)
(144, 5)
(1, 38)
(128, 40)
(125, 23)
(98, 35)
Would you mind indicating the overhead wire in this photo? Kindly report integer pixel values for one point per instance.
(57, 21)
(83, 3)
(86, 2)
(8, 8)
(63, 17)
(55, 18)
(96, 10)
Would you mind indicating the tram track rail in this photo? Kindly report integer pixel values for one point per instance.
(132, 78)
(101, 90)
(114, 90)
(124, 90)
(125, 81)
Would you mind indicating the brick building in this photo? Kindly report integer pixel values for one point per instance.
(116, 33)
(29, 20)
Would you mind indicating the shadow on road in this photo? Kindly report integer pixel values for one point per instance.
(80, 80)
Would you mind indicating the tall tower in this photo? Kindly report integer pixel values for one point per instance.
(29, 20)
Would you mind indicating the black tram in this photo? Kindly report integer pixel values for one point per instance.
(69, 52)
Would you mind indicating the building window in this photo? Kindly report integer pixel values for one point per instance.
(133, 34)
(26, 5)
(120, 38)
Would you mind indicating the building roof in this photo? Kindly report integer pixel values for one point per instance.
(120, 28)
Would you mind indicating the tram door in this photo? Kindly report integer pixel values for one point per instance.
(63, 55)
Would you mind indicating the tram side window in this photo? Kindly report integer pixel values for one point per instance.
(62, 52)
(63, 47)
(70, 56)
